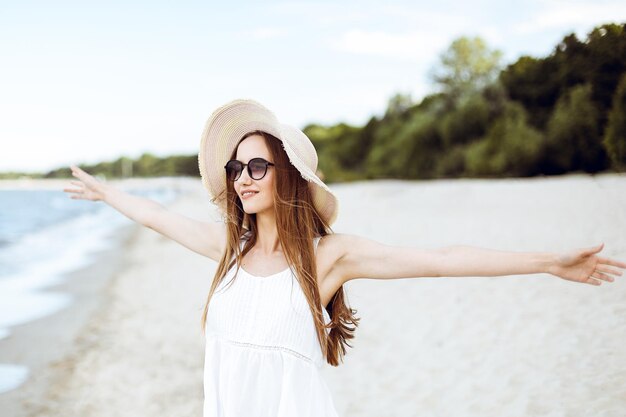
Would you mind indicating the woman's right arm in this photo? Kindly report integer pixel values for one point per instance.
(205, 238)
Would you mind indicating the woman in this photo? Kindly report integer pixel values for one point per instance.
(276, 308)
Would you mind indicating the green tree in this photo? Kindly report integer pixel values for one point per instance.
(534, 83)
(572, 139)
(341, 149)
(467, 66)
(406, 147)
(605, 64)
(451, 163)
(510, 147)
(399, 104)
(600, 60)
(615, 135)
(147, 165)
(468, 121)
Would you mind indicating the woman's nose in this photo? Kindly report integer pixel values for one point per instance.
(244, 177)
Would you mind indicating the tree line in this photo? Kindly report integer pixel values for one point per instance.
(538, 116)
(562, 113)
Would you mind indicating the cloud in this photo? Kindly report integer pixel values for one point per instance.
(404, 46)
(567, 15)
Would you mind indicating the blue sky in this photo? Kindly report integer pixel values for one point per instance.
(81, 82)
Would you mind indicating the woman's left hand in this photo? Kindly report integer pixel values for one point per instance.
(583, 265)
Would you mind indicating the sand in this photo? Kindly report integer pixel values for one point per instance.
(507, 346)
(39, 344)
(472, 346)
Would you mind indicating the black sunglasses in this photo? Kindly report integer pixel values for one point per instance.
(257, 168)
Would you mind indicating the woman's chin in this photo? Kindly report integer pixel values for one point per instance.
(251, 209)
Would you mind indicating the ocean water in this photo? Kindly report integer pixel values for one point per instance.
(44, 235)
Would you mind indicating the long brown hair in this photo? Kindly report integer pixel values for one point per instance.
(298, 223)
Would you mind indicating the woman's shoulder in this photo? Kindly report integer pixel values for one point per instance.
(337, 242)
(332, 237)
(331, 248)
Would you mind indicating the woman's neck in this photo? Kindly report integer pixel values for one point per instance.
(267, 241)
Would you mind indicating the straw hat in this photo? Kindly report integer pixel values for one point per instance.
(225, 128)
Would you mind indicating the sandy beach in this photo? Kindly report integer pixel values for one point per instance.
(510, 346)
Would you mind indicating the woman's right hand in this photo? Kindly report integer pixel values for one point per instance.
(89, 188)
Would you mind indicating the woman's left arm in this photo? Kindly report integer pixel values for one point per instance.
(365, 258)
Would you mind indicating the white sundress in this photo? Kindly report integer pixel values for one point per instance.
(262, 356)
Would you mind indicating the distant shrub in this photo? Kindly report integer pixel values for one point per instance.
(615, 136)
(572, 137)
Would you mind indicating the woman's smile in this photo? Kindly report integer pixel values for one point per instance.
(248, 194)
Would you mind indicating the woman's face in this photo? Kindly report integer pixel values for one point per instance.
(263, 200)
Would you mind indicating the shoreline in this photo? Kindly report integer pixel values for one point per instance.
(119, 325)
(49, 346)
(56, 333)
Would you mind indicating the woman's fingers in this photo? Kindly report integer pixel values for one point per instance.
(89, 188)
(77, 172)
(608, 270)
(71, 190)
(74, 193)
(593, 279)
(80, 174)
(76, 183)
(78, 193)
(599, 275)
(86, 179)
(608, 261)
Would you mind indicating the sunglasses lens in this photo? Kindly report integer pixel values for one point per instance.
(257, 168)
(233, 169)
